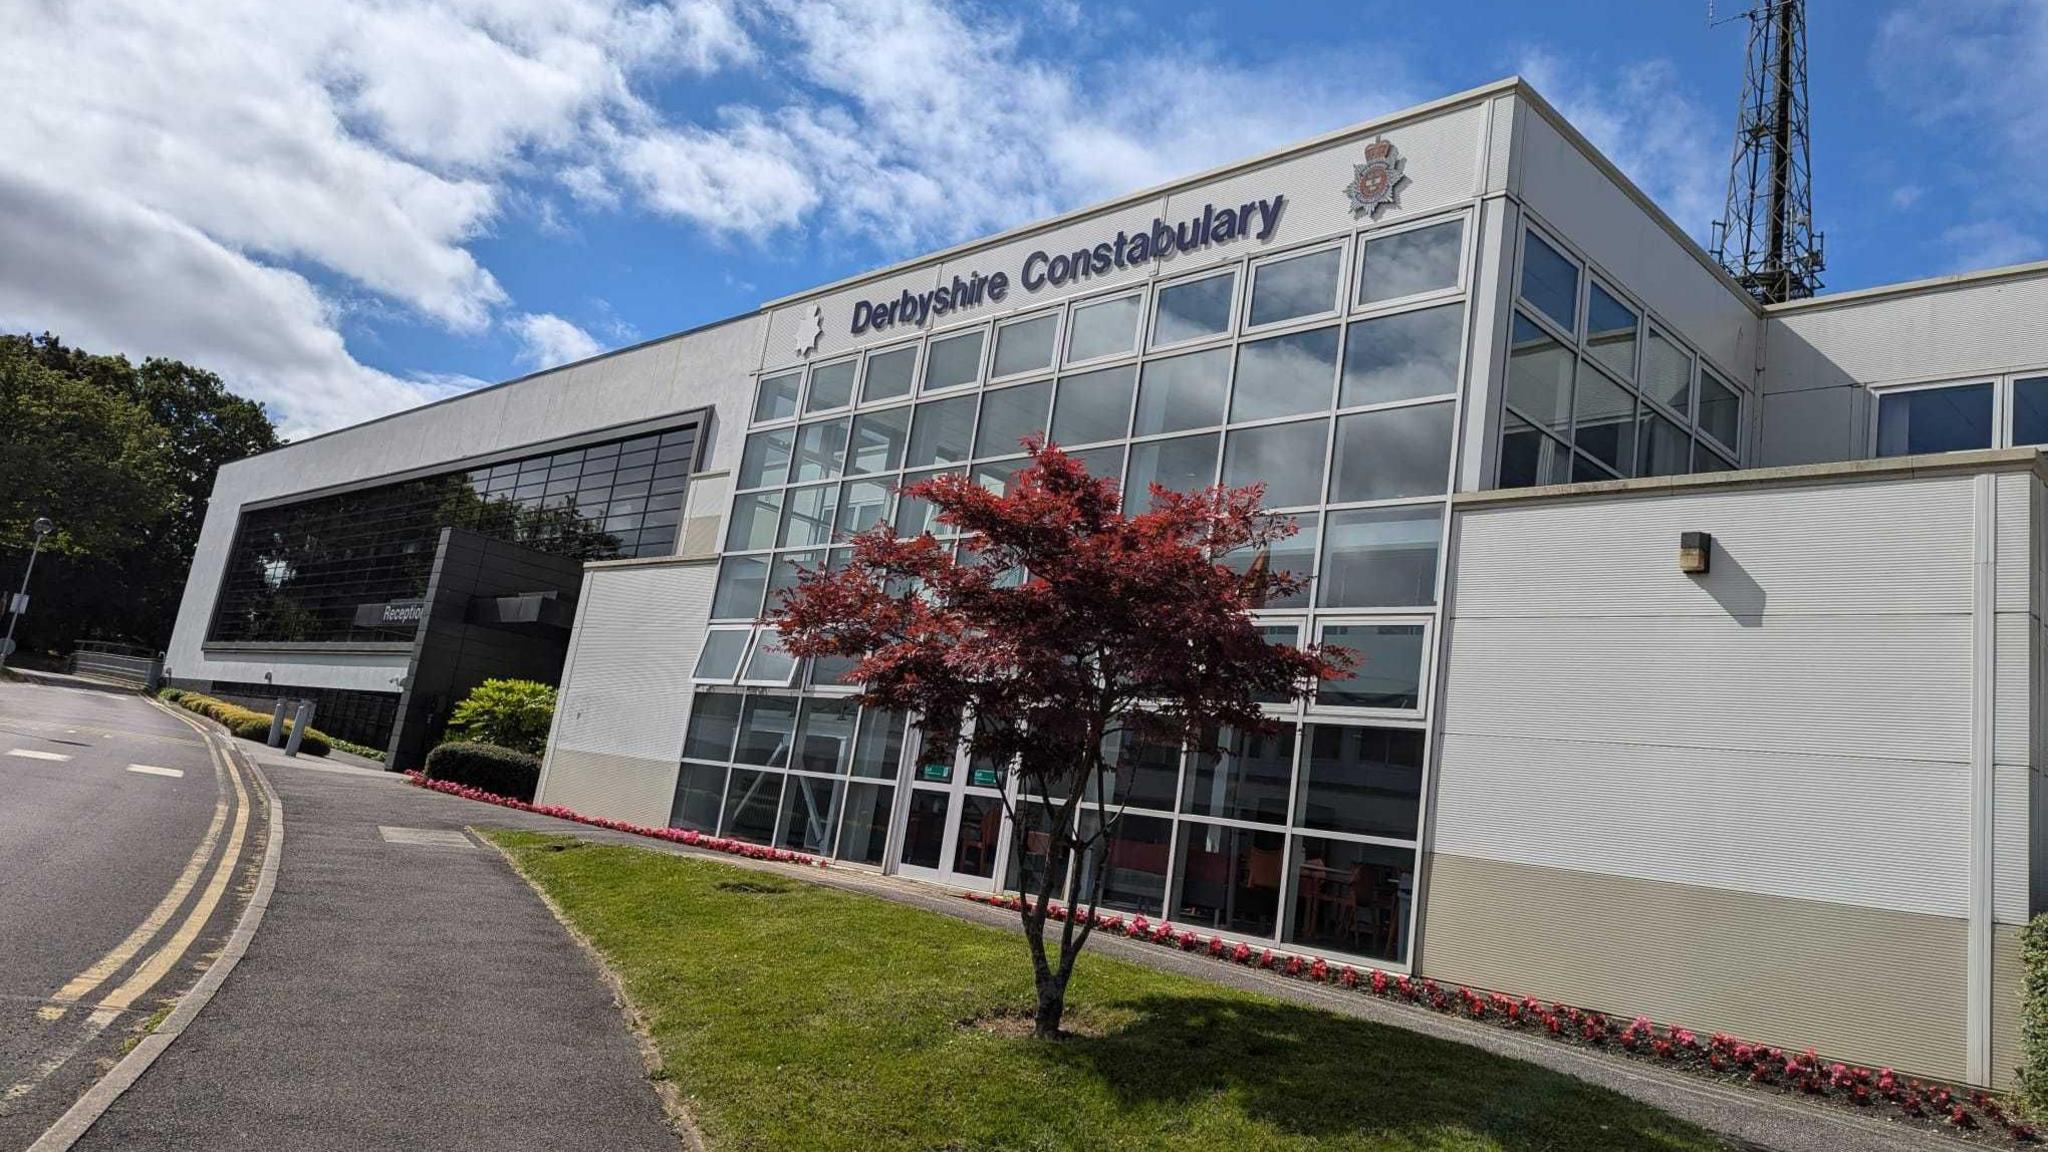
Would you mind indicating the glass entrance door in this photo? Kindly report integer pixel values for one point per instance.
(953, 823)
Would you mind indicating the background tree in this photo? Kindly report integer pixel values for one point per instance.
(1062, 627)
(131, 591)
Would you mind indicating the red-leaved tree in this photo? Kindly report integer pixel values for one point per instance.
(1063, 627)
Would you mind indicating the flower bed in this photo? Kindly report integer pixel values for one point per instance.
(1719, 1055)
(672, 835)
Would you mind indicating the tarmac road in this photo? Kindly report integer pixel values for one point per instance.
(117, 882)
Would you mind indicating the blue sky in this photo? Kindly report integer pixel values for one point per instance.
(351, 207)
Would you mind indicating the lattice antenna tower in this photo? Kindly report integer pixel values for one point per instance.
(1765, 238)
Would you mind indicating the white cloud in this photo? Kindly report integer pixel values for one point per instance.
(1641, 118)
(546, 340)
(1989, 244)
(254, 145)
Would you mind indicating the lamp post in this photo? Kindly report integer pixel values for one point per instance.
(42, 527)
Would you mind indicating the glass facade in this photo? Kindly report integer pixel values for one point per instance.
(1596, 390)
(1331, 373)
(298, 572)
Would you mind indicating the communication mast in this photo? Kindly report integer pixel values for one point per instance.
(1765, 238)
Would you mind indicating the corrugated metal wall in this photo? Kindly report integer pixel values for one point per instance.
(625, 697)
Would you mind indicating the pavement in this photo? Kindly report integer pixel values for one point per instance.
(125, 845)
(406, 990)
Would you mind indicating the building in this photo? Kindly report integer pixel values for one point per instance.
(1791, 796)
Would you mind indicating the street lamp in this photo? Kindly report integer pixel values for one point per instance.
(42, 527)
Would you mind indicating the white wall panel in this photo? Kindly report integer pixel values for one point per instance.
(1938, 331)
(626, 689)
(1876, 547)
(2011, 864)
(1809, 827)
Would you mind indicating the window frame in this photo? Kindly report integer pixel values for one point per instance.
(1140, 328)
(1149, 342)
(1058, 315)
(1313, 711)
(1356, 308)
(2001, 405)
(804, 409)
(1341, 247)
(924, 360)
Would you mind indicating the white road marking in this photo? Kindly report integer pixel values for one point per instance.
(153, 770)
(32, 754)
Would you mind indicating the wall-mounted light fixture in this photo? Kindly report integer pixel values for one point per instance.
(1695, 552)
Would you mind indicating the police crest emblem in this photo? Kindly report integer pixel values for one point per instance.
(1376, 184)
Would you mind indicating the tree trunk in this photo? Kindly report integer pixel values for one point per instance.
(1052, 1004)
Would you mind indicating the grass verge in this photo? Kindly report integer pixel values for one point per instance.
(797, 1017)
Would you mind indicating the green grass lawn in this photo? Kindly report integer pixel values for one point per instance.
(796, 1017)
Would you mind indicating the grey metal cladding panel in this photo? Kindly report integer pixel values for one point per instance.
(2015, 555)
(617, 787)
(1815, 426)
(1890, 546)
(1818, 685)
(2013, 687)
(2011, 821)
(637, 639)
(1937, 333)
(1500, 144)
(1575, 197)
(1442, 165)
(1869, 832)
(790, 326)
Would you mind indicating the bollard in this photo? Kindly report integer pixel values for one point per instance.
(299, 725)
(276, 724)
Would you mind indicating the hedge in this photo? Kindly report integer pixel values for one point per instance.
(487, 767)
(2033, 1070)
(248, 723)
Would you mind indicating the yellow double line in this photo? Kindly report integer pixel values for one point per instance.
(180, 941)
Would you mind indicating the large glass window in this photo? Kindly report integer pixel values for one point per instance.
(775, 397)
(889, 374)
(942, 432)
(1934, 420)
(1529, 458)
(755, 520)
(1284, 375)
(1550, 281)
(1667, 373)
(1362, 780)
(742, 580)
(1295, 286)
(1604, 420)
(720, 657)
(1393, 453)
(767, 730)
(2030, 411)
(862, 505)
(1008, 415)
(1611, 332)
(1094, 406)
(751, 800)
(877, 442)
(866, 833)
(1410, 263)
(831, 386)
(1104, 328)
(1294, 555)
(1183, 392)
(1025, 346)
(1134, 879)
(825, 740)
(1228, 878)
(1247, 780)
(1720, 409)
(1147, 772)
(820, 450)
(880, 747)
(1180, 465)
(765, 460)
(810, 815)
(698, 790)
(1193, 309)
(1540, 376)
(1352, 897)
(1387, 666)
(1661, 447)
(1404, 356)
(953, 361)
(1380, 557)
(807, 516)
(1287, 458)
(714, 721)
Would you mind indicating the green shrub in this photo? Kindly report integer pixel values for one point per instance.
(512, 714)
(355, 749)
(2033, 1070)
(503, 771)
(170, 695)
